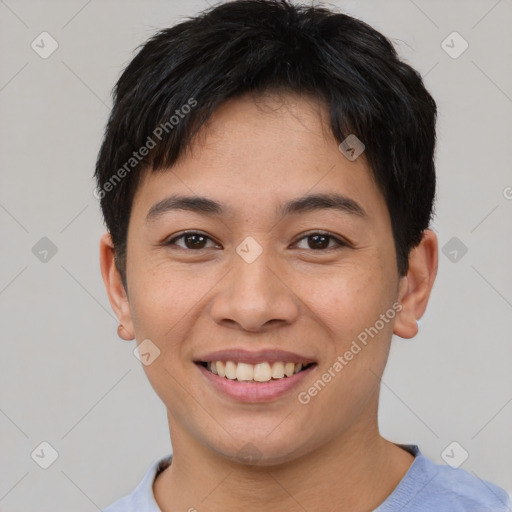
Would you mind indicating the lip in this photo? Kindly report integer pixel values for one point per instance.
(255, 357)
(254, 392)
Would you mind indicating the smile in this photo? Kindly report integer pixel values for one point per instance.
(260, 372)
(254, 376)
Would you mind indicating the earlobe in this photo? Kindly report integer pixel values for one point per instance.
(123, 333)
(415, 287)
(115, 289)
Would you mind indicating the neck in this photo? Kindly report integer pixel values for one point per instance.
(356, 471)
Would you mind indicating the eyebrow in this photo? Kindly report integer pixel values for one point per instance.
(206, 206)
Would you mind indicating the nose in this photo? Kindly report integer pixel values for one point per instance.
(255, 296)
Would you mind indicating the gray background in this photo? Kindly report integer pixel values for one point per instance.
(66, 378)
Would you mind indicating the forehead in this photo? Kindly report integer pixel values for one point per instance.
(241, 125)
(256, 149)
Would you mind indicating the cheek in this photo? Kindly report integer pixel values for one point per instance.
(160, 296)
(166, 304)
(160, 309)
(348, 302)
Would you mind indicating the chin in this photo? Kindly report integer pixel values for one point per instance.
(261, 450)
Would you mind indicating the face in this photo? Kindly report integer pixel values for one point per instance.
(264, 275)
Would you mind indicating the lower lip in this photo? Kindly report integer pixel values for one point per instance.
(255, 391)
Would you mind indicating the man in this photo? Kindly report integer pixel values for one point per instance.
(267, 180)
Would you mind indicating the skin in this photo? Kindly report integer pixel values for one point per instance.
(254, 154)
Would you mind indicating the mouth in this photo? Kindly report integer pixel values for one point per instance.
(262, 372)
(259, 376)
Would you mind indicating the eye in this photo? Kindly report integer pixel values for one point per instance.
(191, 240)
(320, 241)
(317, 241)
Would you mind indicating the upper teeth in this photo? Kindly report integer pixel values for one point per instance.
(261, 372)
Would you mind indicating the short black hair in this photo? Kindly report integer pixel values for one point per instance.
(183, 73)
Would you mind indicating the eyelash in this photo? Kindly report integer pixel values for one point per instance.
(340, 243)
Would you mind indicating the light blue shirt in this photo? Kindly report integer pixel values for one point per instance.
(426, 487)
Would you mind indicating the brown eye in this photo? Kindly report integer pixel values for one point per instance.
(194, 241)
(321, 241)
(191, 240)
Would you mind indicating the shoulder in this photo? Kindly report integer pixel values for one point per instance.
(428, 486)
(142, 498)
(124, 504)
(465, 491)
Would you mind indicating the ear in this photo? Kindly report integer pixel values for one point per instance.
(415, 287)
(115, 289)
